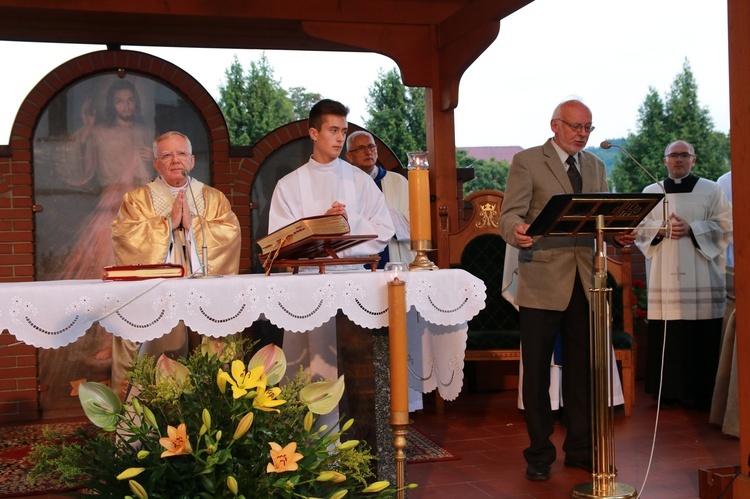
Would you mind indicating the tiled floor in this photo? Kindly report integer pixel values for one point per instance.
(488, 433)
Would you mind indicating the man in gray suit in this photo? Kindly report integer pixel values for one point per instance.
(554, 275)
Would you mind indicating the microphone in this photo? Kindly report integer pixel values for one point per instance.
(204, 249)
(665, 205)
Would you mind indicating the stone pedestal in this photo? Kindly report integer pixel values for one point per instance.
(363, 360)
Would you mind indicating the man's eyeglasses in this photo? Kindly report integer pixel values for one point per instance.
(167, 157)
(577, 127)
(361, 149)
(679, 155)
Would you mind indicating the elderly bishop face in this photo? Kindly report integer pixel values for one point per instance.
(173, 155)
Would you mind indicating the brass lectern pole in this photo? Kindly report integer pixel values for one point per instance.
(603, 474)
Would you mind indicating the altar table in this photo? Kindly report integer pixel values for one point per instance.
(52, 314)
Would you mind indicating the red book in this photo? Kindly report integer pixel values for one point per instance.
(138, 272)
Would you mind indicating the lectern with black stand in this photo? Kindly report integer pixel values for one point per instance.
(590, 215)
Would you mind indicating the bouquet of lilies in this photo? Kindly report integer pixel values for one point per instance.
(213, 427)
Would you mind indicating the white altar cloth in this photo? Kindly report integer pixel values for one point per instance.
(51, 314)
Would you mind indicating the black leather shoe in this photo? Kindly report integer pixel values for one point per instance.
(583, 465)
(537, 472)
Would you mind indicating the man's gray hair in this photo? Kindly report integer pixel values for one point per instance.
(167, 135)
(352, 136)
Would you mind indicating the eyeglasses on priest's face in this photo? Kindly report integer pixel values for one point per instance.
(167, 157)
(578, 127)
(361, 149)
(679, 155)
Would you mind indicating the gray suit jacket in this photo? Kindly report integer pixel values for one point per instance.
(547, 270)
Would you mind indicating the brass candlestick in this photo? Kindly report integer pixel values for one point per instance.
(419, 210)
(421, 262)
(396, 274)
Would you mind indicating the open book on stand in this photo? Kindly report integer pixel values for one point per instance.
(301, 230)
(146, 271)
(310, 241)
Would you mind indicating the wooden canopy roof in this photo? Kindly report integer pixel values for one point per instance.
(408, 31)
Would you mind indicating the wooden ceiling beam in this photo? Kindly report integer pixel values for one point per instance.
(476, 13)
(456, 57)
(381, 11)
(409, 46)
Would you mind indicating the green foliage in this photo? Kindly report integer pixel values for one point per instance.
(397, 114)
(302, 101)
(255, 103)
(608, 156)
(661, 122)
(225, 455)
(490, 174)
(70, 462)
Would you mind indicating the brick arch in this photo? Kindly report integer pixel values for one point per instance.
(248, 165)
(16, 159)
(16, 186)
(290, 132)
(122, 60)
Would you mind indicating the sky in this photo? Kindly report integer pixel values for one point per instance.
(608, 53)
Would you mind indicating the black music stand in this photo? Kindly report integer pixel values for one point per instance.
(591, 214)
(576, 214)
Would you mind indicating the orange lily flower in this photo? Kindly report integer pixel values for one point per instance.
(283, 459)
(177, 443)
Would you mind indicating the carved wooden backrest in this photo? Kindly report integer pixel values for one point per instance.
(478, 248)
(485, 209)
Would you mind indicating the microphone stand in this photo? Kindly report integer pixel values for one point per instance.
(665, 202)
(204, 248)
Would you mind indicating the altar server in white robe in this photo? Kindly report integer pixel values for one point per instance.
(327, 185)
(685, 264)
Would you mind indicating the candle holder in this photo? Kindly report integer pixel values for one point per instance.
(396, 274)
(419, 210)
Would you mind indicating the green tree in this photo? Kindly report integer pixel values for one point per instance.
(647, 145)
(302, 101)
(463, 160)
(692, 123)
(397, 114)
(660, 122)
(254, 103)
(490, 174)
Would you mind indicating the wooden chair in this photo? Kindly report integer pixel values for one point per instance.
(623, 339)
(494, 334)
(479, 249)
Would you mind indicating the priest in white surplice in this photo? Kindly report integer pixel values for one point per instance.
(685, 264)
(327, 185)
